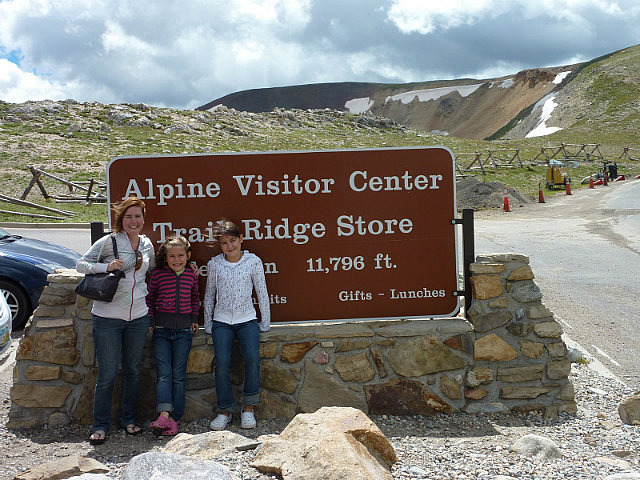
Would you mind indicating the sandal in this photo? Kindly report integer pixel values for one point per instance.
(132, 429)
(97, 438)
(247, 420)
(221, 421)
(171, 430)
(161, 423)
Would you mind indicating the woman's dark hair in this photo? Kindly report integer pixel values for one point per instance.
(120, 209)
(224, 226)
(171, 242)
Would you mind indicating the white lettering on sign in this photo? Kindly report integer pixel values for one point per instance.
(354, 296)
(299, 232)
(193, 234)
(424, 292)
(348, 226)
(168, 191)
(359, 181)
(286, 186)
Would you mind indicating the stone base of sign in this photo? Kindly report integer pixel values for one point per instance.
(509, 356)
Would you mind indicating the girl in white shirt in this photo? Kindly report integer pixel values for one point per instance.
(229, 313)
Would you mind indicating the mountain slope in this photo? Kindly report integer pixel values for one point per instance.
(530, 103)
(602, 96)
(464, 108)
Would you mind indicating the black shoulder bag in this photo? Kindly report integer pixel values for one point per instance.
(101, 286)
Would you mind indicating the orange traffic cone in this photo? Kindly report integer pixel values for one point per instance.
(540, 194)
(568, 187)
(591, 185)
(506, 206)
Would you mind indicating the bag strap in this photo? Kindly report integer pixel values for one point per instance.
(115, 246)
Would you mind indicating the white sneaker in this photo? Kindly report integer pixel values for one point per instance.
(220, 422)
(247, 420)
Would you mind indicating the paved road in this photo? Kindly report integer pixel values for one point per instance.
(78, 239)
(584, 250)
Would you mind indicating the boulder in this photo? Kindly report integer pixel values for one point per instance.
(66, 467)
(333, 443)
(629, 409)
(537, 446)
(169, 466)
(209, 445)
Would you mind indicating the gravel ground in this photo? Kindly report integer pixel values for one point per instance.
(594, 443)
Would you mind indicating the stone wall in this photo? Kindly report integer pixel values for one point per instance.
(508, 357)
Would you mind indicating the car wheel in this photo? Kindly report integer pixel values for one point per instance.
(18, 302)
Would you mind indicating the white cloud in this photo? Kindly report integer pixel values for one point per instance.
(427, 16)
(116, 40)
(185, 54)
(18, 86)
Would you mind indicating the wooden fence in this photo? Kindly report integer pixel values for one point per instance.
(469, 164)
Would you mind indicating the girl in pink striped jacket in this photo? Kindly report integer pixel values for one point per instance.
(174, 305)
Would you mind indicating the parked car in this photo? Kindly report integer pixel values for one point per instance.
(24, 266)
(5, 325)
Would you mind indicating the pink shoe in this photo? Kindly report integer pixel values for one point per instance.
(161, 423)
(171, 430)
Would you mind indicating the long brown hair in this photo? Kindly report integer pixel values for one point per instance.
(121, 208)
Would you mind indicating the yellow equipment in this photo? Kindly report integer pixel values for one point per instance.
(557, 174)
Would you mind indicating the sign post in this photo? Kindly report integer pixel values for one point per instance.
(344, 235)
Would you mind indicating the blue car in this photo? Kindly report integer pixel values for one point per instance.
(24, 266)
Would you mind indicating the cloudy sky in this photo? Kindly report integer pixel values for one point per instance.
(186, 53)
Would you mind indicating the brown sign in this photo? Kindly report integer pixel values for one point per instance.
(356, 234)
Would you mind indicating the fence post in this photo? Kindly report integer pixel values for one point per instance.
(97, 231)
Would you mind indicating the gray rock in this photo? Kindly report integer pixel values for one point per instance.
(526, 292)
(488, 407)
(63, 468)
(208, 445)
(537, 446)
(629, 409)
(169, 466)
(417, 471)
(575, 355)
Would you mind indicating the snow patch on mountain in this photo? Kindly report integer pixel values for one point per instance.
(358, 105)
(432, 93)
(547, 105)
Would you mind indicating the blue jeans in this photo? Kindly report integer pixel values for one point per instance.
(117, 340)
(248, 335)
(171, 350)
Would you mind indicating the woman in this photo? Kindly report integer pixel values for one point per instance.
(120, 327)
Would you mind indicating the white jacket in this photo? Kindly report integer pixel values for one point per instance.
(229, 288)
(129, 300)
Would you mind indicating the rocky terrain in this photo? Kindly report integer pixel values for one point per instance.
(594, 444)
(77, 140)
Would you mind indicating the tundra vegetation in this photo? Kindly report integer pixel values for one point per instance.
(76, 141)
